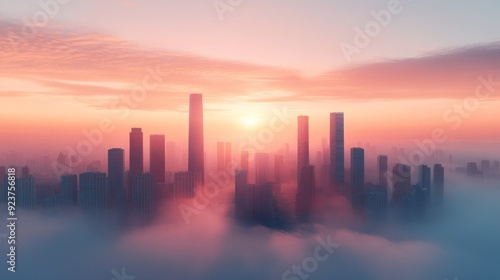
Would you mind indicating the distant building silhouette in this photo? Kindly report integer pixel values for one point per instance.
(196, 143)
(485, 167)
(472, 170)
(279, 162)
(93, 193)
(117, 196)
(306, 191)
(157, 157)
(3, 184)
(262, 171)
(375, 201)
(184, 184)
(220, 156)
(382, 170)
(26, 192)
(245, 164)
(253, 203)
(302, 144)
(424, 184)
(401, 181)
(68, 188)
(240, 189)
(337, 148)
(438, 184)
(357, 178)
(136, 152)
(143, 198)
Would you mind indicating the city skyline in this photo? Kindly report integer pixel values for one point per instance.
(237, 139)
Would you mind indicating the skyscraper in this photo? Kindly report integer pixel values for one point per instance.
(196, 144)
(245, 165)
(305, 192)
(382, 170)
(357, 168)
(92, 197)
(240, 186)
(336, 148)
(69, 189)
(184, 184)
(278, 172)
(143, 197)
(26, 192)
(262, 168)
(424, 184)
(438, 184)
(3, 184)
(157, 157)
(302, 144)
(116, 173)
(401, 181)
(228, 157)
(220, 157)
(136, 152)
(357, 179)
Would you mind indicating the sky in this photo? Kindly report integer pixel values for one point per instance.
(82, 60)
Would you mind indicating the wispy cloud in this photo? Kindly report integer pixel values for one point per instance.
(92, 66)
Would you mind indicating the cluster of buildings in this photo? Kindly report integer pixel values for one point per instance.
(258, 178)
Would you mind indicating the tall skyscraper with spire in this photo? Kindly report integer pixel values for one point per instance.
(336, 148)
(196, 144)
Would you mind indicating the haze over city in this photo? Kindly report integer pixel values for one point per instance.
(243, 139)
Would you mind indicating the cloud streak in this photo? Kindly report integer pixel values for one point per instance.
(91, 66)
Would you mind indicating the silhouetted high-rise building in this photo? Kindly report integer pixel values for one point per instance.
(3, 184)
(306, 191)
(184, 184)
(68, 188)
(357, 178)
(157, 157)
(25, 172)
(245, 164)
(196, 152)
(240, 187)
(228, 157)
(136, 152)
(357, 168)
(382, 170)
(424, 183)
(278, 172)
(117, 195)
(336, 148)
(302, 144)
(26, 192)
(262, 174)
(438, 184)
(143, 197)
(485, 167)
(220, 156)
(472, 169)
(401, 176)
(496, 167)
(93, 193)
(375, 201)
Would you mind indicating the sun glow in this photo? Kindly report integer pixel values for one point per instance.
(250, 121)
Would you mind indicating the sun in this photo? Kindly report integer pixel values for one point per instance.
(250, 121)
